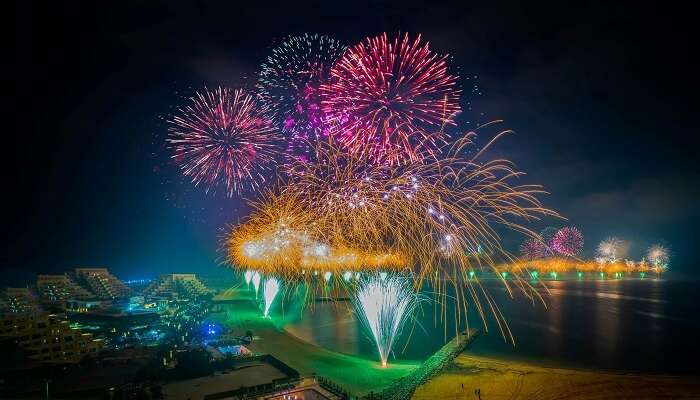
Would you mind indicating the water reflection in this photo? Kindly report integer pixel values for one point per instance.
(644, 325)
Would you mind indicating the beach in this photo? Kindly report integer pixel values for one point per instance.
(500, 380)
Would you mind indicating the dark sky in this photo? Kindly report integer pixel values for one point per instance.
(602, 97)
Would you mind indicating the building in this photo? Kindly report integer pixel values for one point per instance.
(176, 285)
(48, 338)
(18, 301)
(101, 283)
(85, 288)
(59, 288)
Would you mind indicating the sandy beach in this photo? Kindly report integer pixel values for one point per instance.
(501, 380)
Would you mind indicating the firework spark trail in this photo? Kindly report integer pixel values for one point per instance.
(568, 241)
(436, 217)
(391, 99)
(383, 306)
(256, 282)
(431, 210)
(223, 138)
(289, 82)
(270, 290)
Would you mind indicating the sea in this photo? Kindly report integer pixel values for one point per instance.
(645, 325)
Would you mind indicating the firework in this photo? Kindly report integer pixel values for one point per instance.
(568, 241)
(561, 266)
(350, 213)
(609, 250)
(532, 249)
(659, 258)
(248, 275)
(390, 99)
(270, 290)
(547, 234)
(223, 138)
(383, 306)
(430, 211)
(284, 237)
(256, 282)
(289, 83)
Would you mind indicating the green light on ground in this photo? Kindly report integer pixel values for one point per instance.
(534, 274)
(602, 275)
(504, 274)
(580, 274)
(471, 274)
(327, 275)
(347, 275)
(642, 274)
(553, 275)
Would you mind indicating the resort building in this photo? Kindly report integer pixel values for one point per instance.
(85, 288)
(176, 285)
(58, 288)
(48, 338)
(18, 301)
(101, 283)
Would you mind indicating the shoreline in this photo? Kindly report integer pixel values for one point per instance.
(503, 379)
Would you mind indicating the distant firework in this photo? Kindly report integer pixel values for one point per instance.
(609, 249)
(532, 249)
(391, 99)
(568, 241)
(289, 83)
(223, 138)
(658, 256)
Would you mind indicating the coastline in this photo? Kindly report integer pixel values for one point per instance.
(358, 375)
(503, 379)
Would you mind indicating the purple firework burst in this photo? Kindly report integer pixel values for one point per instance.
(568, 241)
(532, 249)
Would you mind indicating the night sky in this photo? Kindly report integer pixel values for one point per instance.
(602, 99)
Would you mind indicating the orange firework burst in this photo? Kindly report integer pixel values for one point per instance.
(435, 218)
(285, 238)
(440, 209)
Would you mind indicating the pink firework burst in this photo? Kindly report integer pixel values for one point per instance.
(532, 249)
(289, 83)
(223, 138)
(568, 241)
(390, 99)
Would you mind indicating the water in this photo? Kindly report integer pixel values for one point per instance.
(630, 325)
